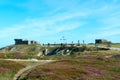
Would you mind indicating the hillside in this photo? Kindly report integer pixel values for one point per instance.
(22, 48)
(38, 51)
(9, 68)
(86, 67)
(20, 51)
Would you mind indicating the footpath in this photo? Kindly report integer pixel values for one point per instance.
(22, 71)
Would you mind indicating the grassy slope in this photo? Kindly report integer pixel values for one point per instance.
(84, 67)
(8, 69)
(20, 51)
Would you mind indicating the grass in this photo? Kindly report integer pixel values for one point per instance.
(8, 69)
(94, 66)
(20, 51)
(88, 65)
(117, 45)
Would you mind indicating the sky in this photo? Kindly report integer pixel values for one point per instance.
(47, 21)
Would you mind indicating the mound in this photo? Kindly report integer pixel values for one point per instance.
(22, 48)
(20, 51)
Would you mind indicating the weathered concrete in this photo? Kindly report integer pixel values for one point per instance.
(24, 41)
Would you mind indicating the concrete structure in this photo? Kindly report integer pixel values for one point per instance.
(24, 41)
(99, 41)
(103, 42)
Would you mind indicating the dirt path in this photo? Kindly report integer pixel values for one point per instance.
(18, 75)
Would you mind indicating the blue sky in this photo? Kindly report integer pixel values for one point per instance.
(46, 21)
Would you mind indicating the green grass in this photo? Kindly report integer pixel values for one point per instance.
(20, 51)
(117, 45)
(92, 65)
(8, 69)
(85, 67)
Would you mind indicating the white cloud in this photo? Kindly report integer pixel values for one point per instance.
(109, 25)
(43, 26)
(60, 18)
